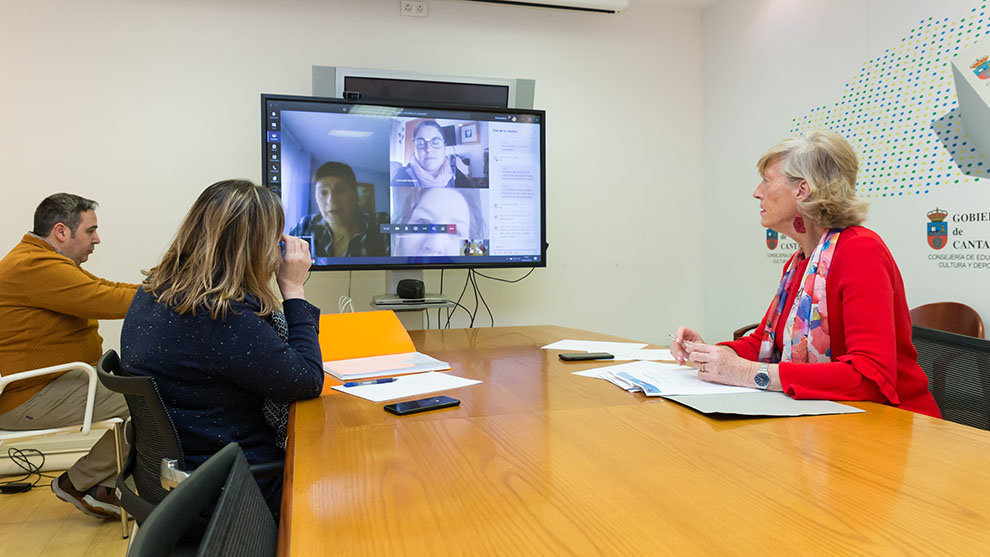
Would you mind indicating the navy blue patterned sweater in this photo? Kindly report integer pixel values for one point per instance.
(214, 375)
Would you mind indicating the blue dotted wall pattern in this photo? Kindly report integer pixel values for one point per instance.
(901, 112)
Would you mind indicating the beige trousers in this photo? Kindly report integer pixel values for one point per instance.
(62, 402)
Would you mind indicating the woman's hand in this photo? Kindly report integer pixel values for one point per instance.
(295, 264)
(720, 364)
(680, 349)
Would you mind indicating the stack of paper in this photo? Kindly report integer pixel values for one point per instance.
(657, 379)
(681, 384)
(380, 366)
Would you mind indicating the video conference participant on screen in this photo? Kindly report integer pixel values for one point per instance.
(436, 206)
(340, 229)
(430, 166)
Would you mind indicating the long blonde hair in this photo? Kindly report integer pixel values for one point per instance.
(226, 249)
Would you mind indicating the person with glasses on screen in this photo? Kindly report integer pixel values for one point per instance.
(341, 228)
(430, 166)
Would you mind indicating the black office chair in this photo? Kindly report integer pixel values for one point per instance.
(240, 523)
(153, 439)
(151, 434)
(958, 369)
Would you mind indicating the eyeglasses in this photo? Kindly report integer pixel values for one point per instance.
(436, 143)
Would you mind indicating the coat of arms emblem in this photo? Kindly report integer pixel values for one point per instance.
(938, 229)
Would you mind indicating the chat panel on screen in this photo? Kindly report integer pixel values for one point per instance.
(515, 188)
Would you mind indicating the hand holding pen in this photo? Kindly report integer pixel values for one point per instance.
(683, 339)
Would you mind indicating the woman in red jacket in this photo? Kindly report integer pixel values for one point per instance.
(838, 327)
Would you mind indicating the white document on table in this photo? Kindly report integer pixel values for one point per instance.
(762, 403)
(646, 354)
(668, 379)
(681, 384)
(408, 385)
(595, 346)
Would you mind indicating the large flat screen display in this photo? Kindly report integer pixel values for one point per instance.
(392, 186)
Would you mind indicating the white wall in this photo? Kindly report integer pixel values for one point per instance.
(769, 64)
(141, 104)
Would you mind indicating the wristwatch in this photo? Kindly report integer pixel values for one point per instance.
(762, 378)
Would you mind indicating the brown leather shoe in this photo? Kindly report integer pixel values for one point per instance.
(64, 490)
(102, 499)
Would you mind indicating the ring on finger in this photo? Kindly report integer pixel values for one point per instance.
(702, 367)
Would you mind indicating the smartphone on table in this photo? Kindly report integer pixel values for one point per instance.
(582, 356)
(421, 405)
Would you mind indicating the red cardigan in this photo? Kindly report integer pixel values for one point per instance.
(870, 332)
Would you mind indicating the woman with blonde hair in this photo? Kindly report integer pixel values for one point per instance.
(838, 326)
(206, 326)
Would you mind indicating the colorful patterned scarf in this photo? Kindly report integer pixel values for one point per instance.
(806, 336)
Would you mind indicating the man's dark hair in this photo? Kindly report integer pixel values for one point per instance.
(335, 170)
(62, 208)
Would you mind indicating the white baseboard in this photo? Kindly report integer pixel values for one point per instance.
(61, 451)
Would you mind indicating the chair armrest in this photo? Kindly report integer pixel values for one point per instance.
(61, 368)
(171, 476)
(267, 469)
(741, 331)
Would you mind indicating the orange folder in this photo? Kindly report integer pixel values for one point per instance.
(362, 334)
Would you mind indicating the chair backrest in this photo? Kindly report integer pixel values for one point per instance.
(240, 523)
(958, 369)
(154, 437)
(949, 316)
(742, 331)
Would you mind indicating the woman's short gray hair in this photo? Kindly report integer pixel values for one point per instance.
(828, 163)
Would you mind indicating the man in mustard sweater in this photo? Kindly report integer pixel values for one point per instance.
(49, 307)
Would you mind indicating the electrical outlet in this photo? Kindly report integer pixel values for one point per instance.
(414, 8)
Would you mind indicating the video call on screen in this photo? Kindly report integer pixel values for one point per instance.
(383, 185)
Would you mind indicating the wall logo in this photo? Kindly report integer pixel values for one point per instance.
(771, 238)
(938, 229)
(981, 67)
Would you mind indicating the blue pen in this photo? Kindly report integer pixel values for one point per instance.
(369, 382)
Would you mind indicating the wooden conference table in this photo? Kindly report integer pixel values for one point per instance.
(537, 461)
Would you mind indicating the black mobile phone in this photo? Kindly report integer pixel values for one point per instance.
(581, 356)
(421, 405)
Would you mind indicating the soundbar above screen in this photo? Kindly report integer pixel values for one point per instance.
(394, 186)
